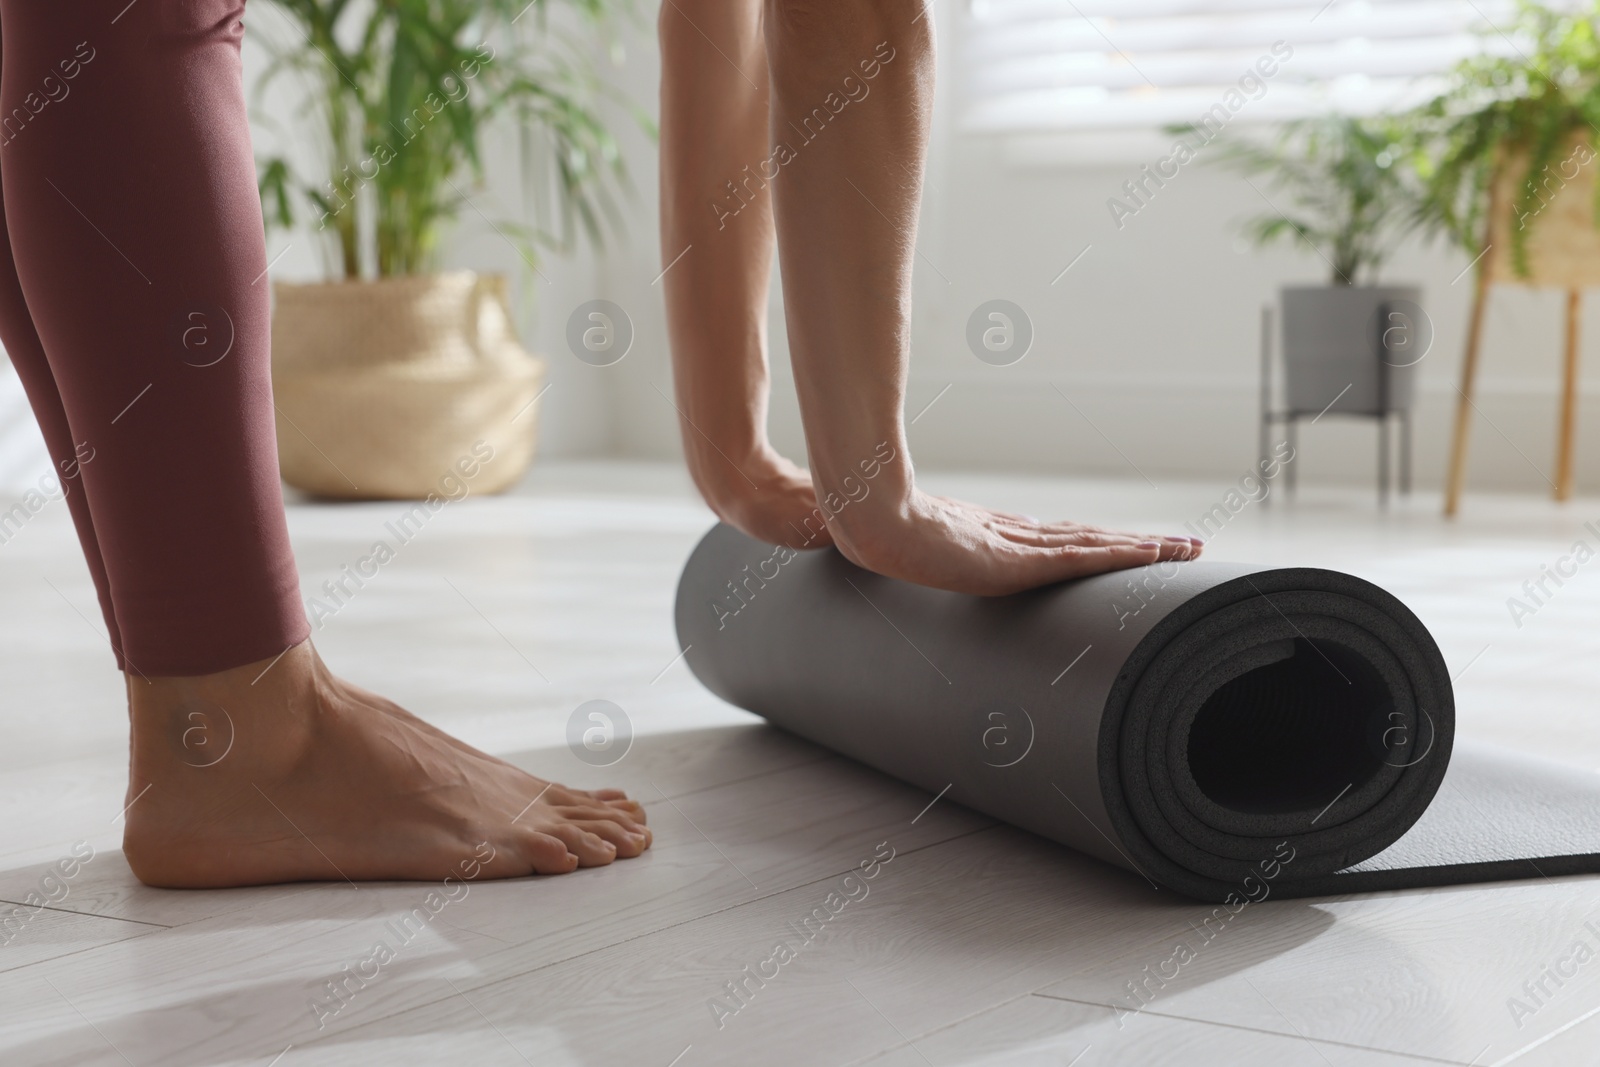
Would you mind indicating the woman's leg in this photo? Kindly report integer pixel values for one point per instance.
(129, 191)
(22, 344)
(133, 222)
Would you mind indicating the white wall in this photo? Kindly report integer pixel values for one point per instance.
(1153, 333)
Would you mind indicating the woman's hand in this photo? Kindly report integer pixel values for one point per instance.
(930, 540)
(950, 544)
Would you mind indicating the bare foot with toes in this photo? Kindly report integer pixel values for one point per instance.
(299, 776)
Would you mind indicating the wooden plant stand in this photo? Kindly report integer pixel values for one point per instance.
(1563, 253)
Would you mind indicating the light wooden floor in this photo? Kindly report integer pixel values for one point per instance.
(974, 944)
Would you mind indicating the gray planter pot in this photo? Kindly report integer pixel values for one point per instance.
(1359, 344)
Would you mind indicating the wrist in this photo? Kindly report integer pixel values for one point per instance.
(864, 497)
(729, 470)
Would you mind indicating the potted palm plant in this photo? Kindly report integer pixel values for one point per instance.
(390, 373)
(1347, 189)
(1510, 143)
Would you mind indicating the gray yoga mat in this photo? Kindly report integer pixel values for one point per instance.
(1225, 730)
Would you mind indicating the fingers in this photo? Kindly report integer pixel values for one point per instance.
(1184, 552)
(1025, 529)
(1070, 529)
(1170, 548)
(1179, 549)
(1085, 536)
(1076, 561)
(1035, 566)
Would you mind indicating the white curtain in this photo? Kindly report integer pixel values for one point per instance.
(1047, 65)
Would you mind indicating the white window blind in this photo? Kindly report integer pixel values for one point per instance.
(1059, 65)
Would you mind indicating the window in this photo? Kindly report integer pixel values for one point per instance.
(1036, 66)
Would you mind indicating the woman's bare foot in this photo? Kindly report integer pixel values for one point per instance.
(280, 772)
(950, 544)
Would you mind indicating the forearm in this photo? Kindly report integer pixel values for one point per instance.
(852, 97)
(716, 232)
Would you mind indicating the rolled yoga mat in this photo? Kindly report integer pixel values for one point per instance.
(1225, 730)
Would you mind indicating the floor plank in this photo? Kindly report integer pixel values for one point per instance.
(31, 934)
(1425, 972)
(1038, 1032)
(163, 1000)
(941, 933)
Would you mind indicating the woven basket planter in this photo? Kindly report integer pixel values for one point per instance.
(384, 388)
(1562, 240)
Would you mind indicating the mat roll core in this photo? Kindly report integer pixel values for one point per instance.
(1225, 730)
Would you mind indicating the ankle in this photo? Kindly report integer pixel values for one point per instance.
(258, 714)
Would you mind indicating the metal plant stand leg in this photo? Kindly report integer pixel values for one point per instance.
(1383, 459)
(1291, 433)
(1405, 453)
(1264, 431)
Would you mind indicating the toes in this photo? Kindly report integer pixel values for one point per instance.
(548, 854)
(562, 795)
(632, 808)
(618, 800)
(601, 813)
(629, 840)
(591, 849)
(555, 794)
(599, 804)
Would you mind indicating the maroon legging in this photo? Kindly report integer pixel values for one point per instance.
(134, 305)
